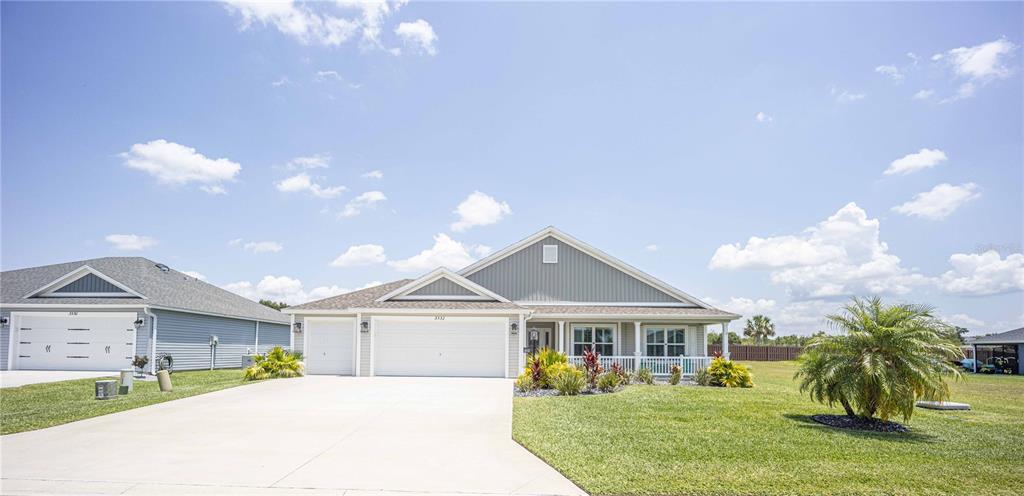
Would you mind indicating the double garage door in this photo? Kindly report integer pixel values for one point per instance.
(73, 340)
(411, 346)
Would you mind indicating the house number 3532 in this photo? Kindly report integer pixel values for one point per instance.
(439, 317)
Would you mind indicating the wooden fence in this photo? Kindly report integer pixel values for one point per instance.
(758, 353)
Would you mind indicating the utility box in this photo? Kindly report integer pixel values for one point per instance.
(106, 390)
(126, 381)
(248, 361)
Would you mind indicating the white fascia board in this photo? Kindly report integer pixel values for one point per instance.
(604, 304)
(440, 273)
(78, 274)
(627, 317)
(414, 311)
(44, 306)
(589, 250)
(214, 314)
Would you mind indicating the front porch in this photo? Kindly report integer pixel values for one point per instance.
(656, 345)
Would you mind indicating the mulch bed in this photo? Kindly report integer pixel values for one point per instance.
(537, 393)
(858, 423)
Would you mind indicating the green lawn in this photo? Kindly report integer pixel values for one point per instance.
(36, 406)
(695, 440)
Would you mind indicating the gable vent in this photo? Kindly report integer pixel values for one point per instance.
(550, 254)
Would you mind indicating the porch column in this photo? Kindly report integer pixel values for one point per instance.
(522, 343)
(975, 359)
(617, 343)
(561, 336)
(291, 333)
(637, 350)
(725, 339)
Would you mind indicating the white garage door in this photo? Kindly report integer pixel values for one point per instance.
(453, 347)
(74, 341)
(330, 345)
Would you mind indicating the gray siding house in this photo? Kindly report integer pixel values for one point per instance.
(548, 290)
(97, 314)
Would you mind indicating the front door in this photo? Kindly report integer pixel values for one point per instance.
(545, 337)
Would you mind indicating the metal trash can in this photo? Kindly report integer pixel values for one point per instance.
(106, 390)
(126, 381)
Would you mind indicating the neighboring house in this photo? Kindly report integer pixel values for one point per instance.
(1004, 351)
(97, 314)
(551, 287)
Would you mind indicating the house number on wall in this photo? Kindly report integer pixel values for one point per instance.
(72, 314)
(439, 317)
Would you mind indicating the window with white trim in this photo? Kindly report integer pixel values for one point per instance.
(550, 254)
(599, 338)
(666, 341)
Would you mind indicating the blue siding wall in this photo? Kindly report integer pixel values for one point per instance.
(442, 287)
(5, 340)
(186, 337)
(90, 283)
(272, 335)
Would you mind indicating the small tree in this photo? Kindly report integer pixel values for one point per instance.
(759, 327)
(276, 305)
(887, 358)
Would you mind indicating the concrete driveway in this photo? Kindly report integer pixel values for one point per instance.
(314, 435)
(15, 378)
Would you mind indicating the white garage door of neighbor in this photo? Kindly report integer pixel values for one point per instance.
(452, 347)
(330, 343)
(74, 340)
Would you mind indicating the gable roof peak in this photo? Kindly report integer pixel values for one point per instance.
(437, 274)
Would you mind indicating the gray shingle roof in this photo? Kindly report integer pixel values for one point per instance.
(629, 310)
(1008, 337)
(171, 289)
(366, 298)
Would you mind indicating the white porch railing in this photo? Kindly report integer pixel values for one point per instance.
(657, 365)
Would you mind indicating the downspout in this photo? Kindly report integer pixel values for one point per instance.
(152, 340)
(257, 348)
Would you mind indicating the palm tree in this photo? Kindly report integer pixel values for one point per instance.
(887, 358)
(759, 327)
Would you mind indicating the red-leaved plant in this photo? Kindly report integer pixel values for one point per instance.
(536, 371)
(592, 364)
(621, 372)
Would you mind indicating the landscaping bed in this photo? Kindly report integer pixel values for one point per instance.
(36, 406)
(763, 440)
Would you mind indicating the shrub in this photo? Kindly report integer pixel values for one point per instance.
(140, 362)
(525, 382)
(608, 382)
(549, 360)
(276, 363)
(592, 364)
(569, 381)
(676, 374)
(619, 371)
(644, 375)
(702, 377)
(726, 373)
(888, 357)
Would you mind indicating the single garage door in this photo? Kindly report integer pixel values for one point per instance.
(331, 344)
(74, 340)
(448, 347)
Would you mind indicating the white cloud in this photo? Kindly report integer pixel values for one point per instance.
(263, 246)
(214, 190)
(360, 255)
(651, 248)
(839, 256)
(318, 161)
(924, 94)
(287, 289)
(171, 163)
(446, 252)
(844, 96)
(479, 209)
(368, 199)
(978, 65)
(284, 81)
(482, 250)
(890, 71)
(302, 182)
(328, 76)
(746, 307)
(941, 201)
(913, 162)
(804, 317)
(130, 242)
(234, 242)
(763, 117)
(418, 34)
(982, 274)
(963, 320)
(194, 274)
(374, 174)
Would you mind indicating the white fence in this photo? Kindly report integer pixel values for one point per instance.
(657, 365)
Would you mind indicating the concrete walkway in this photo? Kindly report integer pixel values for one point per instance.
(15, 378)
(315, 435)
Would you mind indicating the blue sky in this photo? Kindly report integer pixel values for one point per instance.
(771, 158)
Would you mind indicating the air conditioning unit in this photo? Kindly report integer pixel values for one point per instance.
(248, 361)
(106, 390)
